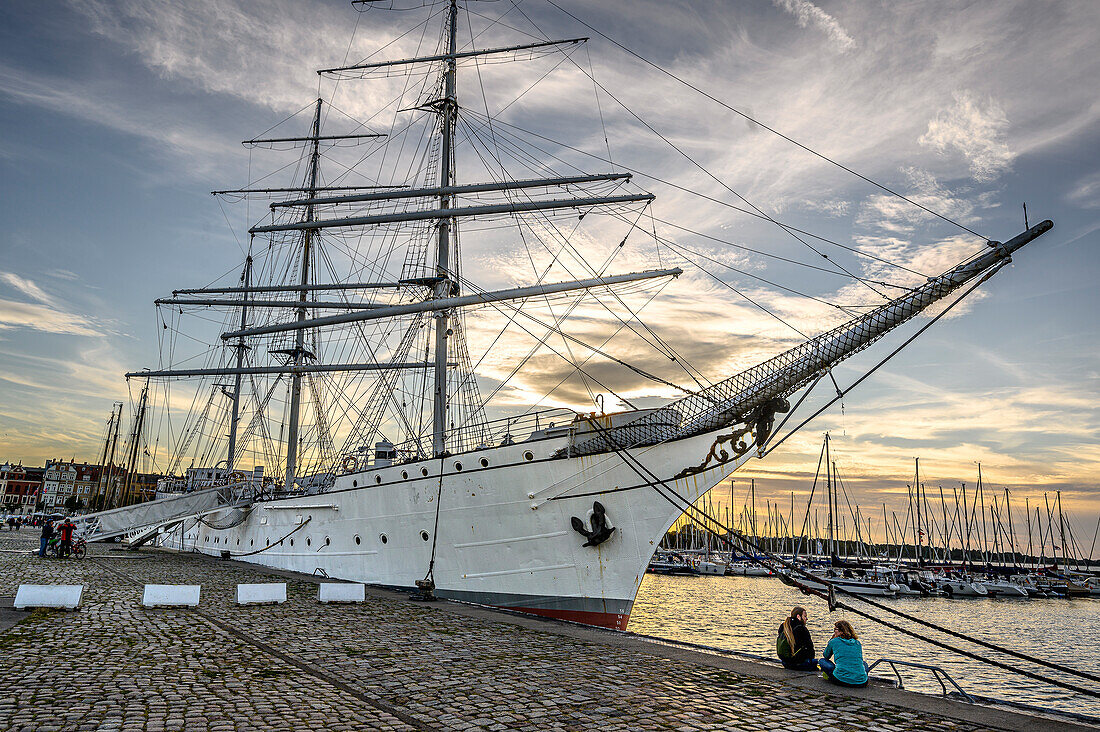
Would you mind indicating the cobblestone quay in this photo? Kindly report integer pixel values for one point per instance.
(389, 664)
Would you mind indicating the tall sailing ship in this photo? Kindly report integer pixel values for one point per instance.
(350, 323)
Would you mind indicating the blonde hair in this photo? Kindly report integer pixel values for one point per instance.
(788, 630)
(846, 630)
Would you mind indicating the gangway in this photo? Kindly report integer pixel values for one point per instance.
(143, 519)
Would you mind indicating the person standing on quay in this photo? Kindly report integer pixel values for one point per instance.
(47, 534)
(66, 538)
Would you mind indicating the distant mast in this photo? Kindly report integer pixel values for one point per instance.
(829, 497)
(134, 448)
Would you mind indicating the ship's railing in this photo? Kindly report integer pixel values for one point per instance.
(937, 673)
(504, 431)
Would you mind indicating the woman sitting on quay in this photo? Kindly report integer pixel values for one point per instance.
(847, 667)
(793, 645)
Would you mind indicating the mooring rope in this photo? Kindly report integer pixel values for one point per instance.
(657, 483)
(296, 529)
(833, 603)
(430, 575)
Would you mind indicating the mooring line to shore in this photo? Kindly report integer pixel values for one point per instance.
(687, 507)
(288, 658)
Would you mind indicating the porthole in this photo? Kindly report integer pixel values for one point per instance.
(378, 479)
(309, 542)
(355, 484)
(382, 538)
(292, 542)
(358, 541)
(458, 466)
(327, 541)
(424, 535)
(252, 542)
(424, 472)
(528, 455)
(267, 541)
(484, 463)
(238, 542)
(404, 475)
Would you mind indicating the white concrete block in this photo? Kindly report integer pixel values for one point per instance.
(63, 596)
(341, 592)
(266, 593)
(171, 595)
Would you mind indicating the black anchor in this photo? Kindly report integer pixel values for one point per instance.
(600, 531)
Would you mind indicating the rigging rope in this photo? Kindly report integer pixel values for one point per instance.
(566, 336)
(738, 112)
(717, 180)
(657, 343)
(745, 297)
(654, 481)
(726, 204)
(841, 394)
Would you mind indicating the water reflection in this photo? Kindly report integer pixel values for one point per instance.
(743, 614)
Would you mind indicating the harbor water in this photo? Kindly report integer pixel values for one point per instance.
(743, 614)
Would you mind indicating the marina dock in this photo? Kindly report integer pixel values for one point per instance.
(387, 663)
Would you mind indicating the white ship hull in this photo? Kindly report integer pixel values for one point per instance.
(504, 536)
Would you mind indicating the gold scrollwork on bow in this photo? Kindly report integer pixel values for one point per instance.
(718, 454)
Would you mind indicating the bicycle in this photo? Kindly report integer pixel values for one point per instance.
(78, 549)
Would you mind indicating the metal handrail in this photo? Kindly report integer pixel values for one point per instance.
(937, 673)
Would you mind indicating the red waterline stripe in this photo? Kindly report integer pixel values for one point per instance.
(614, 621)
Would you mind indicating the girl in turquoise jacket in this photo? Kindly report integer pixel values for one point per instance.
(847, 667)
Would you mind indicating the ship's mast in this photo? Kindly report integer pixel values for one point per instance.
(445, 296)
(299, 352)
(445, 286)
(246, 279)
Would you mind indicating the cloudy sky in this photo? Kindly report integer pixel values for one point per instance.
(118, 118)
